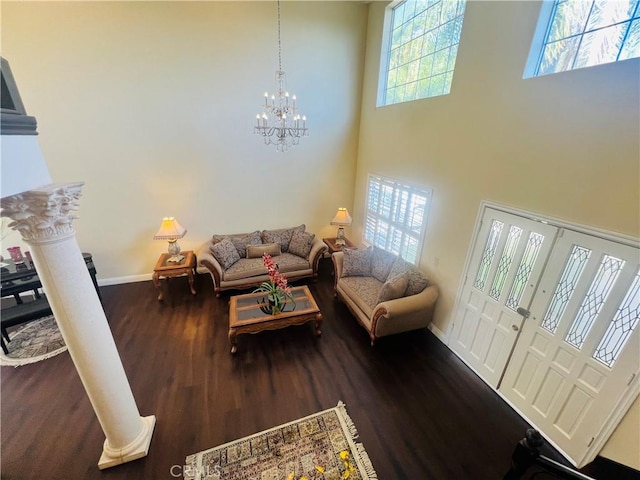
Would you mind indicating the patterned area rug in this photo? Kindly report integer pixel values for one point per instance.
(318, 447)
(35, 341)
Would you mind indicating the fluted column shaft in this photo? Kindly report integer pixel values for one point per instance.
(44, 218)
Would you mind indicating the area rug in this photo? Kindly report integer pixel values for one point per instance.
(33, 342)
(318, 447)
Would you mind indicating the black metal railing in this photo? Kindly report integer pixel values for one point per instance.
(526, 457)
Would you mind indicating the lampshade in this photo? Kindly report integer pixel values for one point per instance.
(170, 229)
(23, 166)
(342, 217)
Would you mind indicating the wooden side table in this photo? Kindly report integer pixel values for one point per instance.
(169, 269)
(333, 247)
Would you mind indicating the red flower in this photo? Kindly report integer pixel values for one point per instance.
(277, 287)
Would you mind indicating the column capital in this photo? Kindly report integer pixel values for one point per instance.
(43, 215)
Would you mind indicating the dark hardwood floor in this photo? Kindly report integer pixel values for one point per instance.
(421, 413)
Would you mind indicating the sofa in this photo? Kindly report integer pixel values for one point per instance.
(386, 294)
(234, 261)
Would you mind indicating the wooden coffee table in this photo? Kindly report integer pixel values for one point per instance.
(245, 315)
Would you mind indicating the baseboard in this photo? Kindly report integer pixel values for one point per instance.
(104, 282)
(440, 335)
(145, 277)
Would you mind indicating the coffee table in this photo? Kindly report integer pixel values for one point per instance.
(245, 315)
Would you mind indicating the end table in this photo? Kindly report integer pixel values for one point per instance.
(166, 269)
(334, 247)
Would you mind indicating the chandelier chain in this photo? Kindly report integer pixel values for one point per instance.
(279, 43)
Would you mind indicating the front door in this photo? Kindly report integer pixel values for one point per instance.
(578, 352)
(507, 260)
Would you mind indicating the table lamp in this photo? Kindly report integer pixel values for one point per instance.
(171, 230)
(341, 219)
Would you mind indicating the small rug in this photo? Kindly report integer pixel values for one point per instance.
(318, 447)
(33, 342)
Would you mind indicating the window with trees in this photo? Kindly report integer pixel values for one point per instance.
(396, 217)
(574, 34)
(420, 45)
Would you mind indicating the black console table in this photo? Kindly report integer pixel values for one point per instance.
(18, 278)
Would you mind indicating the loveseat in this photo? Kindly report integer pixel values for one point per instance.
(386, 294)
(235, 260)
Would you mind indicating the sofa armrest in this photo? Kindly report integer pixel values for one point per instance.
(338, 260)
(317, 250)
(405, 305)
(207, 260)
(405, 313)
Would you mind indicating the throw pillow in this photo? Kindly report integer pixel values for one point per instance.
(242, 241)
(357, 262)
(381, 262)
(225, 253)
(393, 288)
(417, 280)
(256, 251)
(217, 238)
(301, 243)
(281, 236)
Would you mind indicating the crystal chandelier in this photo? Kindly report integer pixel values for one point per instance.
(279, 123)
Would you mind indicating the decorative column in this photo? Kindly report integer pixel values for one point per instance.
(43, 216)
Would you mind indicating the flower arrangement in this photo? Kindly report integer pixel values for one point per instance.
(276, 288)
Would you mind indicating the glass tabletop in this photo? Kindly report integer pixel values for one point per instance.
(246, 308)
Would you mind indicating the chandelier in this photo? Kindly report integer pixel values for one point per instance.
(279, 123)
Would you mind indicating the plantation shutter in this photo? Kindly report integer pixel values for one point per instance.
(395, 218)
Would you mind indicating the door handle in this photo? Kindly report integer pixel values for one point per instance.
(515, 328)
(523, 311)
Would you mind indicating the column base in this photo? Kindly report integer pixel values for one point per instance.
(108, 461)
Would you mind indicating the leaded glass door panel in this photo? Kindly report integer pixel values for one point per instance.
(578, 353)
(506, 264)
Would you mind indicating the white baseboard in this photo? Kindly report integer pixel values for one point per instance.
(440, 335)
(145, 277)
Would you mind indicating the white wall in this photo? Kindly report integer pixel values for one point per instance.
(152, 104)
(564, 145)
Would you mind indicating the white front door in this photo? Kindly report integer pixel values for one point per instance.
(507, 260)
(578, 353)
